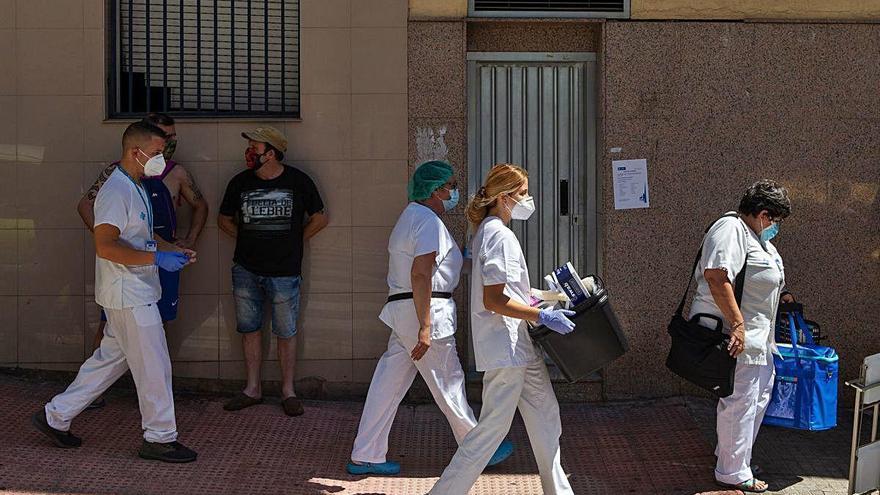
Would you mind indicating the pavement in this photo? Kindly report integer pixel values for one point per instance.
(640, 447)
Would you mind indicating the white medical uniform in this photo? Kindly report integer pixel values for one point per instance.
(516, 376)
(418, 231)
(740, 414)
(134, 337)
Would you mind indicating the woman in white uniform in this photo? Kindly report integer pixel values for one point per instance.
(423, 269)
(734, 241)
(515, 374)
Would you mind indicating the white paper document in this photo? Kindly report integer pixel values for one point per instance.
(630, 184)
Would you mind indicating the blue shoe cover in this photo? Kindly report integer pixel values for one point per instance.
(503, 452)
(373, 468)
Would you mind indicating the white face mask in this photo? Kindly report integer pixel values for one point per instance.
(154, 166)
(523, 208)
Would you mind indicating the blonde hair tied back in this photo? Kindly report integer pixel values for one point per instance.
(503, 178)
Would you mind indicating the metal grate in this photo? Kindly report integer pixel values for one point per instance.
(556, 8)
(205, 58)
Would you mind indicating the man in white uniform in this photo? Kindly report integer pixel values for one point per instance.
(127, 287)
(423, 269)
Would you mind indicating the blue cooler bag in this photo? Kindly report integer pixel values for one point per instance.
(805, 391)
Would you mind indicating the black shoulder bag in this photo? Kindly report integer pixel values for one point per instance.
(699, 353)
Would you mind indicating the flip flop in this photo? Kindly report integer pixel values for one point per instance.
(747, 486)
(240, 401)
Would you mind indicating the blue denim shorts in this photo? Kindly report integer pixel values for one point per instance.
(251, 290)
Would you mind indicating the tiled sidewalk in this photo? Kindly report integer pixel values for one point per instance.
(652, 447)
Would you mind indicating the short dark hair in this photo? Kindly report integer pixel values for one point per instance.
(140, 132)
(157, 118)
(767, 195)
(279, 155)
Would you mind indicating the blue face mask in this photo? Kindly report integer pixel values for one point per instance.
(450, 203)
(770, 232)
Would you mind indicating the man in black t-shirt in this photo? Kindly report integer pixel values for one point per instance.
(270, 209)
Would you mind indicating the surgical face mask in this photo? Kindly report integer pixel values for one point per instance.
(155, 165)
(253, 159)
(523, 208)
(170, 147)
(770, 231)
(450, 203)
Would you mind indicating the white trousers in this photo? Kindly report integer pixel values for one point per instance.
(739, 418)
(133, 339)
(394, 374)
(527, 388)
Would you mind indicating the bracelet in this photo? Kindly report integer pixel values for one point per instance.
(737, 325)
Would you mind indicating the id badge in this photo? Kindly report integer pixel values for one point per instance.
(151, 246)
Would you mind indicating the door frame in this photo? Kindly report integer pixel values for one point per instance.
(592, 188)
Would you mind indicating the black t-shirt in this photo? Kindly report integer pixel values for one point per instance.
(270, 216)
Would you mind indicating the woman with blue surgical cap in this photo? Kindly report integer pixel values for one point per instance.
(424, 265)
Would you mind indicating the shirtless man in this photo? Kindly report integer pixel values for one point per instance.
(167, 192)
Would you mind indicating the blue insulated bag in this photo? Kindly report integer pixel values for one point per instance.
(805, 390)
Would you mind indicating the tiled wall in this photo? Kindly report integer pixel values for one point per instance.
(352, 140)
(714, 107)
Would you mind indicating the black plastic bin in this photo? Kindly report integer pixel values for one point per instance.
(596, 341)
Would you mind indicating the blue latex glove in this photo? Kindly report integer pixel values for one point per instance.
(557, 320)
(171, 261)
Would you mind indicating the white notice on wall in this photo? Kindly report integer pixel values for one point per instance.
(630, 184)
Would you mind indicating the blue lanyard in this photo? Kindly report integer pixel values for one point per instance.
(147, 204)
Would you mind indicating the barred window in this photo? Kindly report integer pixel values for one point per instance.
(204, 58)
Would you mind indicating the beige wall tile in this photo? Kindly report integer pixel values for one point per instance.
(378, 60)
(379, 13)
(325, 13)
(38, 182)
(93, 61)
(203, 276)
(8, 9)
(370, 252)
(49, 262)
(93, 14)
(50, 129)
(7, 61)
(185, 369)
(51, 329)
(324, 326)
(193, 336)
(49, 61)
(334, 182)
(362, 370)
(103, 140)
(9, 330)
(326, 58)
(369, 334)
(71, 366)
(34, 14)
(197, 142)
(327, 264)
(226, 249)
(325, 130)
(92, 318)
(378, 127)
(383, 184)
(8, 208)
(332, 370)
(8, 263)
(8, 132)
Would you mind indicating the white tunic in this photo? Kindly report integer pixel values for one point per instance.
(725, 247)
(124, 205)
(499, 341)
(420, 231)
